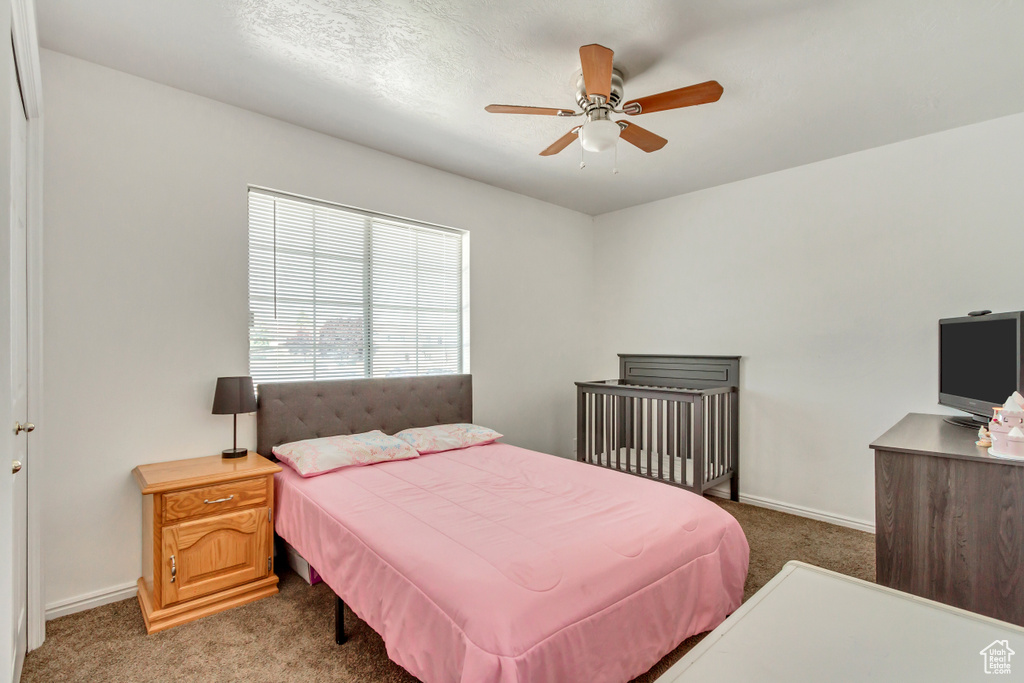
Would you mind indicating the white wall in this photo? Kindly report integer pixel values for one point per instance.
(146, 294)
(829, 280)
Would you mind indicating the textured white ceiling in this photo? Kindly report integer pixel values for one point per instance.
(804, 80)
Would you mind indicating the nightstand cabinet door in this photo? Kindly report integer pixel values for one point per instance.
(214, 553)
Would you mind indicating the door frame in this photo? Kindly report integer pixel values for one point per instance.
(26, 51)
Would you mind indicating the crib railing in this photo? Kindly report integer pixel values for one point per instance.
(684, 437)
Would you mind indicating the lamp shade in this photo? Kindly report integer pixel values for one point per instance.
(234, 395)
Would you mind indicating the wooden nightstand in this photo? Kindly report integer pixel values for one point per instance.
(207, 537)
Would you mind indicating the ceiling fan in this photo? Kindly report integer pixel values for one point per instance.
(598, 93)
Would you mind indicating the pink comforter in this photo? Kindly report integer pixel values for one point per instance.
(499, 564)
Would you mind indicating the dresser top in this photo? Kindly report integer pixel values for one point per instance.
(212, 469)
(922, 434)
(803, 624)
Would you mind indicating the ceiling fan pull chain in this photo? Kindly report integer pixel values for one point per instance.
(615, 162)
(583, 164)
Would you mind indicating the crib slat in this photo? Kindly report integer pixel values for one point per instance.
(581, 419)
(682, 434)
(732, 433)
(634, 417)
(698, 446)
(680, 453)
(719, 436)
(592, 429)
(627, 426)
(720, 433)
(709, 437)
(588, 419)
(703, 446)
(672, 432)
(650, 436)
(723, 433)
(655, 450)
(606, 427)
(713, 436)
(605, 419)
(709, 434)
(617, 424)
(602, 435)
(609, 427)
(728, 432)
(661, 438)
(638, 430)
(712, 464)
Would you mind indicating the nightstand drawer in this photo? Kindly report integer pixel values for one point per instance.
(214, 499)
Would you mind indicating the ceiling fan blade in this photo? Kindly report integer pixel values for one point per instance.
(641, 137)
(702, 93)
(597, 70)
(537, 111)
(561, 143)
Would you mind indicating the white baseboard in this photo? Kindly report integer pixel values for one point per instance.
(89, 600)
(810, 513)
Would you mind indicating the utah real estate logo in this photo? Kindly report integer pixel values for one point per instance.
(997, 657)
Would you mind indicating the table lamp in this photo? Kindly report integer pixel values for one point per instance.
(234, 395)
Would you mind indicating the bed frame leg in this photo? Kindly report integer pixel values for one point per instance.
(734, 487)
(339, 621)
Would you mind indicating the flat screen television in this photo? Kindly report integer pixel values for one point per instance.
(980, 362)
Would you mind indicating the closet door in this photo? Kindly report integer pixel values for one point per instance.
(13, 390)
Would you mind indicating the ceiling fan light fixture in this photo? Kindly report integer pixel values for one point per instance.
(599, 89)
(599, 135)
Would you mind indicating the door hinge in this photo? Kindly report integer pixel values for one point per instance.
(270, 514)
(269, 563)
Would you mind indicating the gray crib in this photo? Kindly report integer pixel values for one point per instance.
(674, 419)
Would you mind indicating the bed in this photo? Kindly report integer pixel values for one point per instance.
(495, 563)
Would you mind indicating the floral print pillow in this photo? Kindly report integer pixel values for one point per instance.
(447, 437)
(320, 456)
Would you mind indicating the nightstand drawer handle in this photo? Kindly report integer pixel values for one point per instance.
(174, 570)
(219, 500)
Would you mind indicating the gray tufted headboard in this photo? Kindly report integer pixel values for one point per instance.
(292, 411)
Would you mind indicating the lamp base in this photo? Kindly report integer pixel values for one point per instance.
(234, 452)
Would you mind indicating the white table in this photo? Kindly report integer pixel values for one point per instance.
(811, 624)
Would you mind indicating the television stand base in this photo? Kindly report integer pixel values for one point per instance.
(966, 422)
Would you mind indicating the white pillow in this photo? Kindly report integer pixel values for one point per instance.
(320, 456)
(447, 437)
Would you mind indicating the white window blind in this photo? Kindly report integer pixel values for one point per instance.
(340, 293)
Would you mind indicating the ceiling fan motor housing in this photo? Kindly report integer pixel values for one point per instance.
(616, 92)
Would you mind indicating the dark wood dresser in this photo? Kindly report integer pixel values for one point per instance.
(949, 518)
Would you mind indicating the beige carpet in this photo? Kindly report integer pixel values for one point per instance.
(290, 637)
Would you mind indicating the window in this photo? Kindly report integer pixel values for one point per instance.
(338, 293)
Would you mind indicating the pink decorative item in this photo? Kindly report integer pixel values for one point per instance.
(495, 564)
(300, 566)
(1007, 428)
